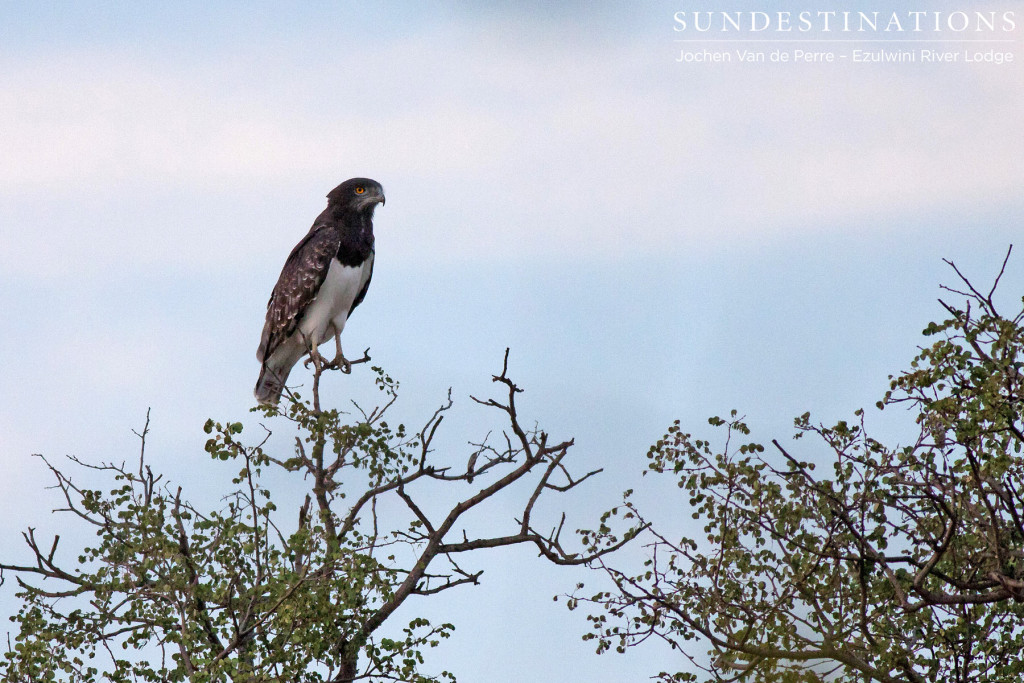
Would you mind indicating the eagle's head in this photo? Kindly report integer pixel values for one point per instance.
(360, 195)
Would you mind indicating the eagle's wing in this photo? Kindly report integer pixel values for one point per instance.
(300, 280)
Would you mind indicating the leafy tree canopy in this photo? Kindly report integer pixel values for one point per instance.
(171, 592)
(898, 563)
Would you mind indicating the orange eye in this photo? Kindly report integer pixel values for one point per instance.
(360, 189)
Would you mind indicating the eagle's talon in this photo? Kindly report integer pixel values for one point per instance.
(317, 360)
(339, 363)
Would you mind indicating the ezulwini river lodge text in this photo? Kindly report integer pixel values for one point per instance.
(877, 56)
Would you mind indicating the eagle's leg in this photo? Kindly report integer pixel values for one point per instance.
(315, 358)
(340, 362)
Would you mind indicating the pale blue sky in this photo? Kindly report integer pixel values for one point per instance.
(653, 240)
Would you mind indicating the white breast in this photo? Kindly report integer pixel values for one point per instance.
(326, 316)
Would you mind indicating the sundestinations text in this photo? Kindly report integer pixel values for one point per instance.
(846, 22)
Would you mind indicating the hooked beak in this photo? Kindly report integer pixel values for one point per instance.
(370, 200)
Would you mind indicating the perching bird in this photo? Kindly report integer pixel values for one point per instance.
(325, 277)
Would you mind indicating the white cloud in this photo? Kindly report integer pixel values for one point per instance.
(494, 149)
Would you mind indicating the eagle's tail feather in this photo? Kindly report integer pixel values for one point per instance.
(270, 385)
